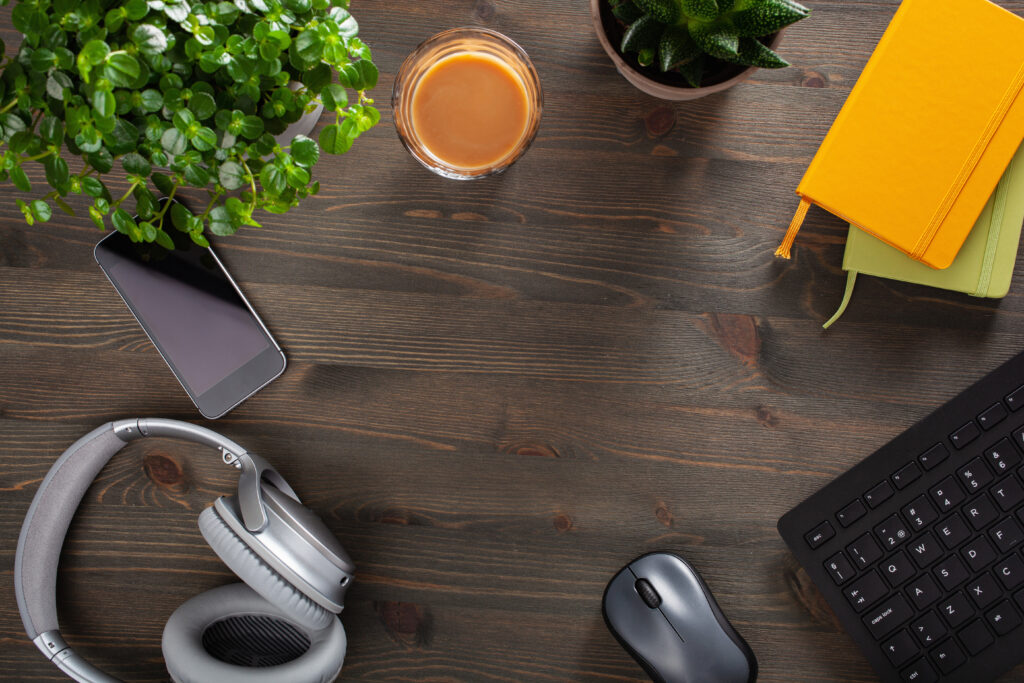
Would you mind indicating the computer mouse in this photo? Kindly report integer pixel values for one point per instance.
(661, 611)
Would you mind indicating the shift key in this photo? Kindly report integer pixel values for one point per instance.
(885, 618)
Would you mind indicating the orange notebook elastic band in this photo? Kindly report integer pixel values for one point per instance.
(794, 228)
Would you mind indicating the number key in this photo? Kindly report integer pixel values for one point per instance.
(974, 475)
(919, 513)
(947, 494)
(1002, 456)
(864, 551)
(892, 532)
(839, 568)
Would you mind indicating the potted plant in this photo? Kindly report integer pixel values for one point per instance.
(686, 49)
(163, 95)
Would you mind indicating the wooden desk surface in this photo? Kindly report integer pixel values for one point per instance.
(501, 392)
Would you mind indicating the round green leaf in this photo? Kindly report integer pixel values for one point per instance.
(41, 211)
(297, 176)
(164, 240)
(122, 220)
(174, 141)
(163, 183)
(334, 97)
(136, 9)
(204, 139)
(151, 100)
(221, 222)
(180, 216)
(121, 69)
(305, 151)
(43, 60)
(58, 174)
(231, 175)
(20, 180)
(103, 102)
(150, 39)
(196, 175)
(273, 179)
(202, 105)
(333, 141)
(93, 186)
(136, 163)
(252, 127)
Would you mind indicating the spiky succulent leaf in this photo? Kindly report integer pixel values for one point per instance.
(717, 39)
(627, 12)
(700, 9)
(693, 71)
(764, 17)
(676, 48)
(642, 34)
(665, 11)
(755, 53)
(725, 6)
(645, 56)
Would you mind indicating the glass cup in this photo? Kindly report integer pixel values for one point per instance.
(424, 63)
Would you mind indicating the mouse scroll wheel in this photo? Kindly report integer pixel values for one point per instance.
(647, 593)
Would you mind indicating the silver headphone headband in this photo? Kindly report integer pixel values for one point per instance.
(61, 491)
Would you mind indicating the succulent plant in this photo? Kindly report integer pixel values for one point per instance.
(688, 35)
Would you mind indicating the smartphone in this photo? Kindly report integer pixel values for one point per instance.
(196, 317)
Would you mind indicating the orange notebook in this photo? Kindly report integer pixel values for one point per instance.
(927, 131)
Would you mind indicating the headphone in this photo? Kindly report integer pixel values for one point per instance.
(279, 625)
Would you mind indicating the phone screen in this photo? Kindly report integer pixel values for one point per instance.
(190, 308)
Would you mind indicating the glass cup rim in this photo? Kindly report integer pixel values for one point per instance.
(531, 83)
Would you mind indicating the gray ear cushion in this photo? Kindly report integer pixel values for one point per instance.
(189, 662)
(262, 578)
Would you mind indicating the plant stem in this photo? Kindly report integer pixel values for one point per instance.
(252, 184)
(167, 205)
(10, 105)
(126, 194)
(37, 156)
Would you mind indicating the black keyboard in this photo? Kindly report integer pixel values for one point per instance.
(918, 549)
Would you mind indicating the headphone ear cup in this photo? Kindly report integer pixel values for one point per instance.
(258, 575)
(232, 634)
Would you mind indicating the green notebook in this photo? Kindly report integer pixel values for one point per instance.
(984, 265)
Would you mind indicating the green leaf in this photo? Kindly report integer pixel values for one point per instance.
(676, 47)
(43, 60)
(317, 78)
(148, 39)
(197, 236)
(273, 179)
(89, 139)
(148, 231)
(101, 160)
(136, 163)
(252, 127)
(643, 34)
(718, 41)
(306, 49)
(64, 206)
(93, 186)
(699, 9)
(152, 100)
(122, 138)
(164, 240)
(163, 183)
(662, 11)
(765, 17)
(347, 26)
(231, 175)
(298, 6)
(174, 141)
(180, 216)
(115, 19)
(57, 174)
(136, 9)
(20, 180)
(204, 35)
(627, 12)
(93, 53)
(202, 105)
(367, 75)
(297, 176)
(333, 141)
(221, 222)
(25, 211)
(183, 118)
(204, 139)
(121, 69)
(103, 102)
(56, 82)
(334, 97)
(122, 220)
(51, 129)
(97, 218)
(755, 53)
(693, 71)
(41, 211)
(196, 175)
(305, 151)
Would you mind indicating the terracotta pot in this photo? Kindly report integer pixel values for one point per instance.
(655, 88)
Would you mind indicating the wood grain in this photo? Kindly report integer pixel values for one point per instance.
(501, 392)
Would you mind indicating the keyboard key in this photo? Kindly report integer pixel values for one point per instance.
(963, 436)
(925, 550)
(1003, 618)
(1010, 572)
(1018, 598)
(819, 534)
(1008, 493)
(1018, 437)
(928, 629)
(878, 494)
(947, 494)
(974, 475)
(888, 616)
(920, 672)
(905, 475)
(923, 591)
(992, 416)
(976, 637)
(866, 591)
(956, 610)
(951, 573)
(919, 513)
(953, 531)
(864, 551)
(980, 512)
(851, 513)
(1006, 534)
(948, 656)
(983, 591)
(1016, 399)
(839, 568)
(892, 532)
(1003, 456)
(900, 649)
(897, 569)
(933, 456)
(979, 553)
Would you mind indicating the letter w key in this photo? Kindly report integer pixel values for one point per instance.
(925, 550)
